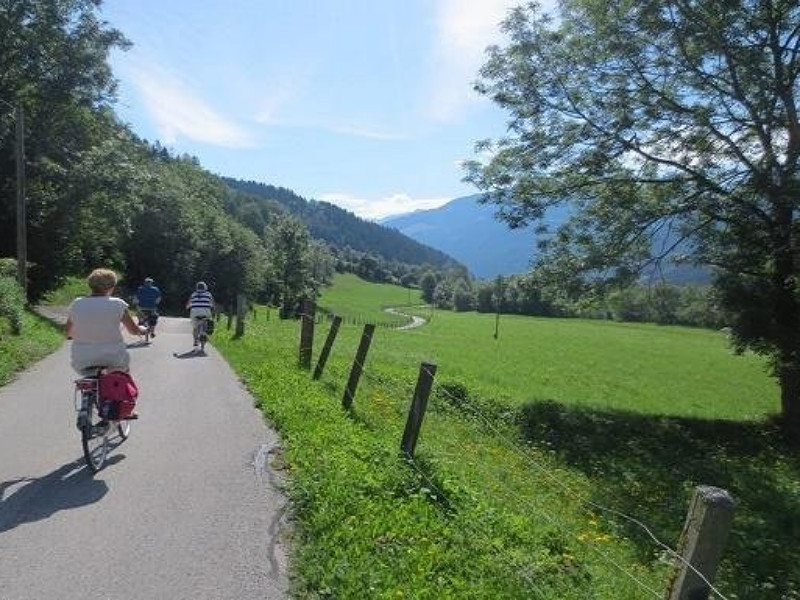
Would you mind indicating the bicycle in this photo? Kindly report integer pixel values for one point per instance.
(201, 333)
(96, 431)
(148, 318)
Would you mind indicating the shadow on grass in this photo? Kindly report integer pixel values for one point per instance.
(648, 466)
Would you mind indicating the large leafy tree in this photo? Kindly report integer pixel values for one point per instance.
(667, 120)
(289, 250)
(53, 63)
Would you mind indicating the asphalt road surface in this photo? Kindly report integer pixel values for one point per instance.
(187, 508)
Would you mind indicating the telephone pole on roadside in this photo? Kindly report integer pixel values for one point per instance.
(22, 230)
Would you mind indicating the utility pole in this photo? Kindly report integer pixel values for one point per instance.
(22, 233)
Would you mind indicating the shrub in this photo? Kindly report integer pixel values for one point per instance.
(12, 303)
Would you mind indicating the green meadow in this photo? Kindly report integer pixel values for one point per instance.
(354, 300)
(533, 445)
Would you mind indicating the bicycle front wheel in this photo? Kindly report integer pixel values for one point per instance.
(94, 437)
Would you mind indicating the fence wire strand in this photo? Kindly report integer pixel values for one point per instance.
(577, 496)
(565, 488)
(521, 570)
(553, 520)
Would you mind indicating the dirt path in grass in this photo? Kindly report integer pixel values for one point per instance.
(187, 508)
(415, 320)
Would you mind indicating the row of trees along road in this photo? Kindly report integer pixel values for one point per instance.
(98, 195)
(656, 116)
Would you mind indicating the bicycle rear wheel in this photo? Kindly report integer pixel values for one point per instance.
(124, 429)
(94, 437)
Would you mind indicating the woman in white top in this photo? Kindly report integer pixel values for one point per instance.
(94, 326)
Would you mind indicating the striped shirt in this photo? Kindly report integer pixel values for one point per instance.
(201, 299)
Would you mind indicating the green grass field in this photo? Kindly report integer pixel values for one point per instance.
(643, 368)
(520, 432)
(351, 299)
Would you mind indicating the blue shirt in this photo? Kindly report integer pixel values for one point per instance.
(148, 296)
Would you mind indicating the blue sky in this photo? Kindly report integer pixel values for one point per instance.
(364, 103)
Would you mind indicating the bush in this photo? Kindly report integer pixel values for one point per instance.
(12, 303)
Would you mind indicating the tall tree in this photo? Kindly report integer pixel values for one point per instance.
(668, 119)
(288, 250)
(53, 63)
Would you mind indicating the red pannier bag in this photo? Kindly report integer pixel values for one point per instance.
(118, 393)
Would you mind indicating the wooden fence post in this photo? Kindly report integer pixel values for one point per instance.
(307, 310)
(358, 366)
(241, 310)
(326, 349)
(707, 524)
(416, 413)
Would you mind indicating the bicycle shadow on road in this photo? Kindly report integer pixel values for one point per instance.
(190, 354)
(135, 345)
(34, 499)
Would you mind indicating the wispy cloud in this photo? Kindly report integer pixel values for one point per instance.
(379, 208)
(464, 29)
(271, 119)
(179, 112)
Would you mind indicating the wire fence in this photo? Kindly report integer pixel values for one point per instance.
(576, 501)
(557, 522)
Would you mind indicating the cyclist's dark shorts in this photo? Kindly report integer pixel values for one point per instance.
(149, 315)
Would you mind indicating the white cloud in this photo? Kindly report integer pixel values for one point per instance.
(178, 111)
(382, 207)
(464, 28)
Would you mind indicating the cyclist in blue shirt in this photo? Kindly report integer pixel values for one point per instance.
(148, 296)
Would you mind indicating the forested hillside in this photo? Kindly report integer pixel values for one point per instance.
(343, 229)
(99, 195)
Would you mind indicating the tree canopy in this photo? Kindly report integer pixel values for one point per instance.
(667, 120)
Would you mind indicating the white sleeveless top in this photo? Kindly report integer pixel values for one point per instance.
(96, 334)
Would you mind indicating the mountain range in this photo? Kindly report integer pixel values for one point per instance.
(334, 225)
(469, 232)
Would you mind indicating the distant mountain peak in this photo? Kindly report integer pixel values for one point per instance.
(468, 231)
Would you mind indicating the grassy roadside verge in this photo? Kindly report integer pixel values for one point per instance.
(468, 520)
(38, 338)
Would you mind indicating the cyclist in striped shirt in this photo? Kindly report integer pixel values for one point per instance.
(200, 304)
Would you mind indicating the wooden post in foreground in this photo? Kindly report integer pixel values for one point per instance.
(241, 313)
(703, 538)
(326, 349)
(307, 310)
(358, 366)
(416, 413)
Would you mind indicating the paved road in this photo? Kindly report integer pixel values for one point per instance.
(188, 507)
